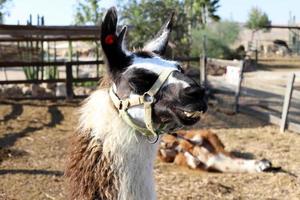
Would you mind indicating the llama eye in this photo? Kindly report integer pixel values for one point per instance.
(142, 84)
(179, 68)
(141, 80)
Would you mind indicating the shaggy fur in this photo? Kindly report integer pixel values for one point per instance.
(89, 170)
(109, 160)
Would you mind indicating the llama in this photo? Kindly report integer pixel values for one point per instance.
(202, 149)
(111, 156)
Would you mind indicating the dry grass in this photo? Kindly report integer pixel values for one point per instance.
(33, 141)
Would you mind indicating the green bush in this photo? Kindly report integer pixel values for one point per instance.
(220, 36)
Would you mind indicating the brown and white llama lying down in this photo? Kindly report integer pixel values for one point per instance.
(202, 149)
(110, 156)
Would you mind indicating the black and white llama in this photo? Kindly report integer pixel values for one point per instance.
(111, 157)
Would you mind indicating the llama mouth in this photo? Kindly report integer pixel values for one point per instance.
(193, 115)
(188, 117)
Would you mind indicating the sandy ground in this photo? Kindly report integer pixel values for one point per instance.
(33, 142)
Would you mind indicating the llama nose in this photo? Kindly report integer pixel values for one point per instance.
(194, 92)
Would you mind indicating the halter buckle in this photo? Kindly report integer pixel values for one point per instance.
(148, 98)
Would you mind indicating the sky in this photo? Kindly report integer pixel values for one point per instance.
(277, 10)
(61, 12)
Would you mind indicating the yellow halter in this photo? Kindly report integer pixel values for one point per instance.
(147, 99)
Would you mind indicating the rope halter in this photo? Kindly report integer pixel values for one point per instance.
(148, 98)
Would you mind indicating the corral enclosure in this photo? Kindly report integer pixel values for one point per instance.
(34, 134)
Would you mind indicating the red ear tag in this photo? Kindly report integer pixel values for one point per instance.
(110, 39)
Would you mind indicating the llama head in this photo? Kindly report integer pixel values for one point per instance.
(179, 101)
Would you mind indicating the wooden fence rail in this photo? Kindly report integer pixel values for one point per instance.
(31, 39)
(265, 99)
(69, 80)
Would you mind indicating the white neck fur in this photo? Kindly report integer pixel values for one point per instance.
(133, 156)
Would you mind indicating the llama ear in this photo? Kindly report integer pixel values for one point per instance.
(159, 43)
(113, 43)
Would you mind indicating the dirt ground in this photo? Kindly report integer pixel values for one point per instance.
(33, 142)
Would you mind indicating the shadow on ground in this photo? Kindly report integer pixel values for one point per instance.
(9, 139)
(16, 110)
(32, 172)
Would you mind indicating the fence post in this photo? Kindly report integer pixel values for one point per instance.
(238, 88)
(97, 58)
(203, 63)
(42, 58)
(287, 100)
(70, 51)
(69, 81)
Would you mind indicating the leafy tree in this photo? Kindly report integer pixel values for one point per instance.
(257, 20)
(219, 37)
(199, 11)
(3, 4)
(147, 16)
(88, 12)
